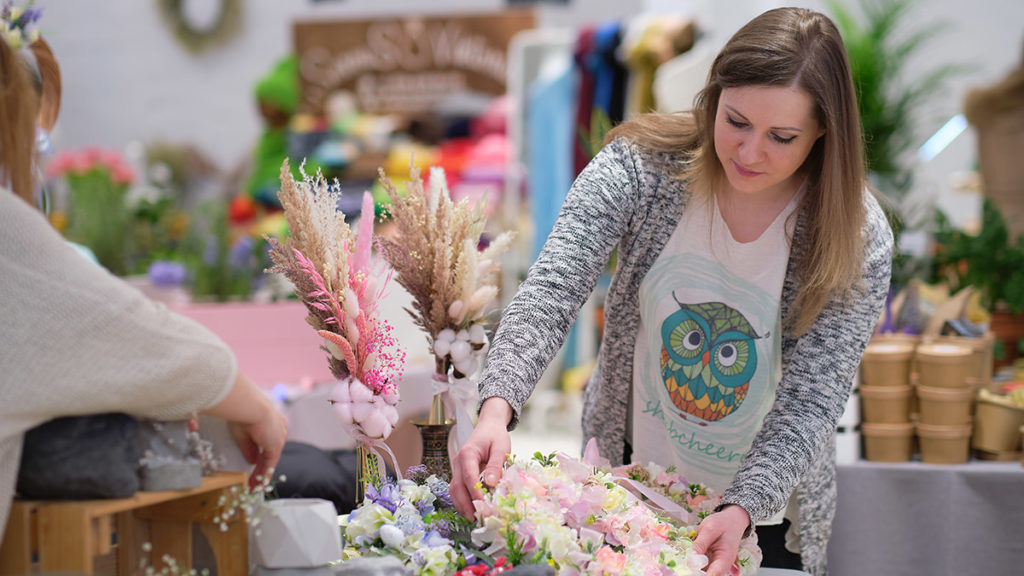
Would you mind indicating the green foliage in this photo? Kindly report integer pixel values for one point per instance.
(99, 217)
(155, 231)
(990, 261)
(879, 44)
(879, 48)
(545, 460)
(600, 125)
(223, 265)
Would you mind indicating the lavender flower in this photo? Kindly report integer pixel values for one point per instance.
(443, 527)
(433, 539)
(241, 253)
(166, 273)
(440, 489)
(29, 16)
(387, 496)
(417, 473)
(424, 507)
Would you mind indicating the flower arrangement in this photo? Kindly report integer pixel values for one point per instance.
(436, 256)
(580, 517)
(413, 520)
(99, 216)
(336, 278)
(16, 24)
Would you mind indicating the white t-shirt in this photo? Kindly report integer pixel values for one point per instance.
(708, 353)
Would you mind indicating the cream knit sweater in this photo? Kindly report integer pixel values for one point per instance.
(76, 340)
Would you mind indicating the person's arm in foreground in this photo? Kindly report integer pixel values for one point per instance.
(259, 429)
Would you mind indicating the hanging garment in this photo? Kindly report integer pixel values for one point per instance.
(650, 41)
(584, 97)
(609, 73)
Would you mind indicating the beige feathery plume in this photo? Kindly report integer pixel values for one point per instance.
(317, 228)
(434, 253)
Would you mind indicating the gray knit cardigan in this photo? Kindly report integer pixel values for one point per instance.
(627, 198)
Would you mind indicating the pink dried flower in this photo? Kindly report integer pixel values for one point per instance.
(335, 277)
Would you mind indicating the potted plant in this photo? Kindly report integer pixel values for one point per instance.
(993, 263)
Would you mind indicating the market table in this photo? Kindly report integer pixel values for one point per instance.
(914, 518)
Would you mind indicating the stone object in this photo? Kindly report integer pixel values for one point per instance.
(167, 462)
(298, 533)
(80, 458)
(170, 475)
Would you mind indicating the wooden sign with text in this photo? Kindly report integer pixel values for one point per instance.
(405, 65)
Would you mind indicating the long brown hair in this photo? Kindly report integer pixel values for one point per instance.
(50, 89)
(19, 107)
(785, 47)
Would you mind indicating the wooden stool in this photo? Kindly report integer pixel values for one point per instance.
(66, 535)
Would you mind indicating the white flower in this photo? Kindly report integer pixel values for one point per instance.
(362, 526)
(477, 334)
(376, 424)
(361, 411)
(358, 391)
(392, 536)
(460, 350)
(416, 493)
(442, 347)
(559, 539)
(434, 561)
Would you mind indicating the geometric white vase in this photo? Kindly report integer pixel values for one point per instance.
(298, 533)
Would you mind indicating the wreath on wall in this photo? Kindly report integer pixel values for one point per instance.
(198, 25)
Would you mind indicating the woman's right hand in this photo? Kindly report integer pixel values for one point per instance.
(261, 443)
(258, 428)
(488, 446)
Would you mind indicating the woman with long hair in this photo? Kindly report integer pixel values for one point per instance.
(753, 262)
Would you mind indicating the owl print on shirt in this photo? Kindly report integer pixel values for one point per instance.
(708, 357)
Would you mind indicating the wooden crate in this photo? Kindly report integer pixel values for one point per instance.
(66, 536)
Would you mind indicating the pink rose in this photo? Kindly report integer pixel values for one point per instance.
(608, 562)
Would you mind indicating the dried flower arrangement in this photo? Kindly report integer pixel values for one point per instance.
(436, 256)
(336, 277)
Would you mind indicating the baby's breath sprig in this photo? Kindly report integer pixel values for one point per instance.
(170, 565)
(247, 501)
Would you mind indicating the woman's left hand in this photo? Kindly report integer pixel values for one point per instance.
(718, 537)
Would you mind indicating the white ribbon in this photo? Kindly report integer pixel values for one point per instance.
(463, 396)
(373, 445)
(655, 501)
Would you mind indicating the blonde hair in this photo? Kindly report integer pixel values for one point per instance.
(785, 47)
(19, 107)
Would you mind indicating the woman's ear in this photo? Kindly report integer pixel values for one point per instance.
(49, 71)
